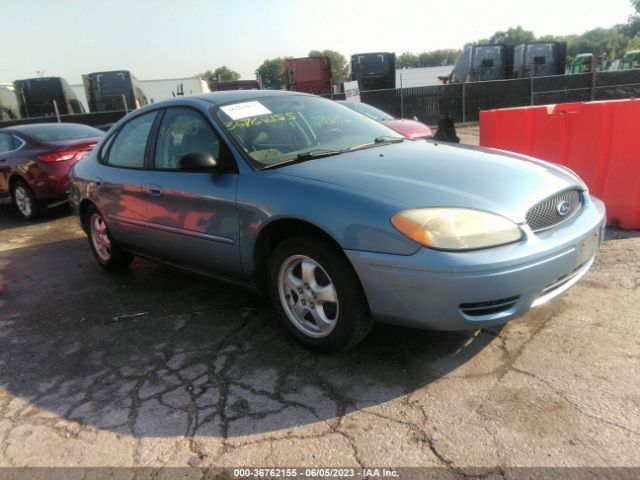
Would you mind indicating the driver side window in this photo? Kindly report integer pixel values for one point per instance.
(183, 131)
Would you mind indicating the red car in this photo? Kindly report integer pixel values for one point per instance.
(35, 161)
(409, 128)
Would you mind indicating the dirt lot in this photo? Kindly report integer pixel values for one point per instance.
(156, 367)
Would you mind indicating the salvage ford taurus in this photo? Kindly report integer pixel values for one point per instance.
(337, 217)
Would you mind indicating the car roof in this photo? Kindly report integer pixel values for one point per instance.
(28, 126)
(228, 96)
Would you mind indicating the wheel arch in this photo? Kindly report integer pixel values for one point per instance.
(277, 231)
(16, 177)
(82, 212)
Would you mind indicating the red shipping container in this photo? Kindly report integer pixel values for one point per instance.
(597, 140)
(308, 75)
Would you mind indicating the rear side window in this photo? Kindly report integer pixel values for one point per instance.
(128, 147)
(6, 142)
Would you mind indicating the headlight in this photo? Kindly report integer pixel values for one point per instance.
(455, 228)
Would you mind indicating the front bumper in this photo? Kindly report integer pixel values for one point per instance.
(467, 290)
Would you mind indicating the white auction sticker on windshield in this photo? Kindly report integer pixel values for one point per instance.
(245, 110)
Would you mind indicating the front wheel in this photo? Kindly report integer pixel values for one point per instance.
(106, 250)
(318, 295)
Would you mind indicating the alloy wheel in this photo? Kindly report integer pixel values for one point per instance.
(100, 237)
(308, 296)
(23, 200)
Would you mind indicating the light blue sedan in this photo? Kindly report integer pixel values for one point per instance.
(339, 219)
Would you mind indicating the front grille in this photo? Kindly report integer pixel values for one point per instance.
(489, 307)
(546, 214)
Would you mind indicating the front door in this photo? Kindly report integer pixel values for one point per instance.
(192, 216)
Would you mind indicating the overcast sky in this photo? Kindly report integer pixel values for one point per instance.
(179, 38)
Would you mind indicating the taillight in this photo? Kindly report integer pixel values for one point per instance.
(62, 156)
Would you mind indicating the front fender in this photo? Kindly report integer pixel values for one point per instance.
(356, 220)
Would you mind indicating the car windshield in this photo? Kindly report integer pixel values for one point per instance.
(280, 129)
(369, 111)
(54, 133)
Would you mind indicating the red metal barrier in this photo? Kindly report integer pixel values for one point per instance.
(600, 141)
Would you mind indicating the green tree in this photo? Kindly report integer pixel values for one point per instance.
(437, 58)
(407, 60)
(220, 74)
(225, 74)
(434, 58)
(339, 65)
(602, 42)
(512, 36)
(610, 42)
(210, 78)
(271, 73)
(632, 27)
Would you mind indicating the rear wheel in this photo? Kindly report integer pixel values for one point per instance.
(24, 200)
(106, 250)
(317, 295)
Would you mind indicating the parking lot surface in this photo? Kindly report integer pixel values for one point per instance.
(157, 367)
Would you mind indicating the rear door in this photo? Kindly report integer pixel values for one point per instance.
(192, 216)
(118, 180)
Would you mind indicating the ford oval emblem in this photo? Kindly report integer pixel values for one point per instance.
(563, 208)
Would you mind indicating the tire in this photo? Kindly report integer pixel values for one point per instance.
(105, 249)
(303, 271)
(24, 200)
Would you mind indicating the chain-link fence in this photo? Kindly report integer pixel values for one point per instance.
(464, 101)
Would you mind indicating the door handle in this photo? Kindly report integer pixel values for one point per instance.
(3, 160)
(154, 190)
(97, 182)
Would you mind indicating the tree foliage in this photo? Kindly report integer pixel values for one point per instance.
(339, 64)
(220, 74)
(271, 73)
(611, 43)
(434, 58)
(225, 74)
(512, 36)
(632, 28)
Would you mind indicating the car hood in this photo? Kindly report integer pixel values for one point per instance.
(409, 128)
(423, 173)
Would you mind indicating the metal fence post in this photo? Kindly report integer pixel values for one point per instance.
(531, 90)
(55, 108)
(593, 84)
(401, 99)
(464, 102)
(124, 101)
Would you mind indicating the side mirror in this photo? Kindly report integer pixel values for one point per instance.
(197, 161)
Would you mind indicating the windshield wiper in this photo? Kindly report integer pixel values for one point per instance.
(322, 152)
(389, 139)
(318, 153)
(304, 156)
(376, 142)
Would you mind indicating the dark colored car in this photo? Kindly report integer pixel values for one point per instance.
(407, 128)
(35, 161)
(105, 126)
